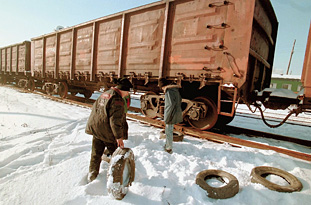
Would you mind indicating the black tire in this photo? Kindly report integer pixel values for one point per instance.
(224, 192)
(121, 173)
(258, 175)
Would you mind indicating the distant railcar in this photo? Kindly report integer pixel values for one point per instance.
(15, 64)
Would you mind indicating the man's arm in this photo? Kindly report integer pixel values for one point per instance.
(116, 118)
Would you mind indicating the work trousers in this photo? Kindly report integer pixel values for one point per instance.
(169, 128)
(98, 147)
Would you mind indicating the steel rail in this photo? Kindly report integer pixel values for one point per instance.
(255, 133)
(221, 138)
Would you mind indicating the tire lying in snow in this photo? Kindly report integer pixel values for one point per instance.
(229, 190)
(121, 173)
(258, 175)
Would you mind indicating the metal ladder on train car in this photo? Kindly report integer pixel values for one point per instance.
(234, 92)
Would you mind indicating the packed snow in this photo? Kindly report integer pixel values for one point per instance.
(45, 153)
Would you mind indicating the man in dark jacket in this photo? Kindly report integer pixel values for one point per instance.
(172, 111)
(106, 124)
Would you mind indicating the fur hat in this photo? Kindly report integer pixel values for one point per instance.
(163, 82)
(123, 84)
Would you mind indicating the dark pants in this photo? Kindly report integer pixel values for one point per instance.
(98, 148)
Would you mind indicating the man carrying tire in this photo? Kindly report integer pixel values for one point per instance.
(172, 110)
(106, 124)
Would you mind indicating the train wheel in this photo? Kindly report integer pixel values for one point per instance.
(87, 94)
(63, 89)
(210, 118)
(30, 85)
(148, 107)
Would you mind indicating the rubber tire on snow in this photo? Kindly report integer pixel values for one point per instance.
(120, 158)
(227, 191)
(224, 192)
(258, 175)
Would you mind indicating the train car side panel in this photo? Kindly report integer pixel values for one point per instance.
(83, 52)
(8, 60)
(65, 52)
(23, 57)
(143, 40)
(2, 60)
(38, 68)
(306, 72)
(108, 50)
(50, 56)
(262, 46)
(14, 59)
(237, 42)
(192, 45)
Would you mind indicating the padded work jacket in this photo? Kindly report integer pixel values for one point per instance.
(107, 118)
(172, 107)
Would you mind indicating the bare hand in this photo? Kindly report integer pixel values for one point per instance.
(120, 143)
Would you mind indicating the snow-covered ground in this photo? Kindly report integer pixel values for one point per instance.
(45, 153)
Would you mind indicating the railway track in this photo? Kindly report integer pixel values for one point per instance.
(219, 137)
(302, 121)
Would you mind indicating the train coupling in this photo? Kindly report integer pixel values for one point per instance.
(277, 98)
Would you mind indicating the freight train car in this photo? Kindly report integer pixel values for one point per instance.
(218, 51)
(305, 97)
(15, 65)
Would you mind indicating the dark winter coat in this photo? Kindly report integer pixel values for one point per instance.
(172, 107)
(107, 117)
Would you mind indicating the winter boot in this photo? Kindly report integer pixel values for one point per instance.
(91, 176)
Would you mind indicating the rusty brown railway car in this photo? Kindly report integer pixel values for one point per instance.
(219, 51)
(306, 76)
(15, 64)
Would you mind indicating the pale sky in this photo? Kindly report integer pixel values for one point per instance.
(22, 20)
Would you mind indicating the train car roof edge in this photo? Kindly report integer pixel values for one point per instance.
(105, 17)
